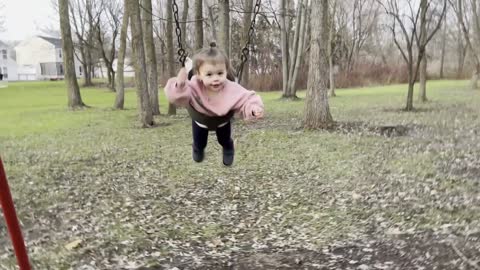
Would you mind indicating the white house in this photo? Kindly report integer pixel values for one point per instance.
(40, 58)
(128, 70)
(8, 66)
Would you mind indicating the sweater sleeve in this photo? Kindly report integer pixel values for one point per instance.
(179, 96)
(248, 102)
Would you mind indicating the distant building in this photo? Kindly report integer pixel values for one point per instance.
(40, 58)
(8, 66)
(101, 71)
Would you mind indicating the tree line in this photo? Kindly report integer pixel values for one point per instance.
(298, 44)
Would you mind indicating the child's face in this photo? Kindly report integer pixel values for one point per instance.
(213, 75)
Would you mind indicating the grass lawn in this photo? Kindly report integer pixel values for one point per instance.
(94, 191)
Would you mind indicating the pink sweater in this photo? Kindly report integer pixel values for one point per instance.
(232, 97)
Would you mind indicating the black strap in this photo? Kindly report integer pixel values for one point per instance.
(212, 122)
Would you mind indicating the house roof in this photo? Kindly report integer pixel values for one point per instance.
(55, 41)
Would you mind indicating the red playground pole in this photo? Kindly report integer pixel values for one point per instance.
(12, 221)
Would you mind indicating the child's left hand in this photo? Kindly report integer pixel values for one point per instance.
(258, 113)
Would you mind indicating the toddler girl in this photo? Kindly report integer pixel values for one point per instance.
(211, 100)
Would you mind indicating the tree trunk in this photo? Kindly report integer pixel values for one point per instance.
(297, 49)
(331, 71)
(211, 17)
(247, 19)
(411, 83)
(293, 45)
(444, 44)
(74, 97)
(120, 97)
(471, 46)
(284, 47)
(476, 35)
(108, 62)
(317, 111)
(143, 100)
(461, 54)
(111, 77)
(474, 79)
(224, 34)
(422, 93)
(151, 57)
(87, 77)
(170, 51)
(90, 65)
(198, 24)
(409, 106)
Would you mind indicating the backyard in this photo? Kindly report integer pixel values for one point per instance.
(385, 189)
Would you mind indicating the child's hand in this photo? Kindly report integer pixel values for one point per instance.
(258, 113)
(181, 77)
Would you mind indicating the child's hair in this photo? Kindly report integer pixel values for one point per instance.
(212, 55)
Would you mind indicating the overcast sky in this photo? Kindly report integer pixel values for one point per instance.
(24, 18)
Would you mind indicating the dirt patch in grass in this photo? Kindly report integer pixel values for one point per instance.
(423, 250)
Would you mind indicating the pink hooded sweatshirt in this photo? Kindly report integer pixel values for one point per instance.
(232, 97)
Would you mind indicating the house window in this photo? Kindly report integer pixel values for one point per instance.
(4, 54)
(5, 73)
(60, 53)
(42, 69)
(60, 69)
(80, 70)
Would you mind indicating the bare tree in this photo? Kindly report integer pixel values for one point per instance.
(74, 97)
(462, 48)
(150, 55)
(363, 18)
(198, 24)
(407, 23)
(247, 19)
(422, 93)
(284, 30)
(84, 30)
(317, 111)
(120, 97)
(292, 47)
(443, 47)
(212, 19)
(331, 48)
(160, 33)
(297, 48)
(184, 22)
(143, 100)
(107, 29)
(472, 43)
(224, 42)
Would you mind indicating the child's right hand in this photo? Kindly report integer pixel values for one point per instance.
(182, 78)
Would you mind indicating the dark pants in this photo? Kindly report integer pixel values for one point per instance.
(200, 136)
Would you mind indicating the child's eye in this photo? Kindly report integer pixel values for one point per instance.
(209, 74)
(220, 73)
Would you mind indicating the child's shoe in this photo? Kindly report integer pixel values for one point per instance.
(198, 155)
(228, 157)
